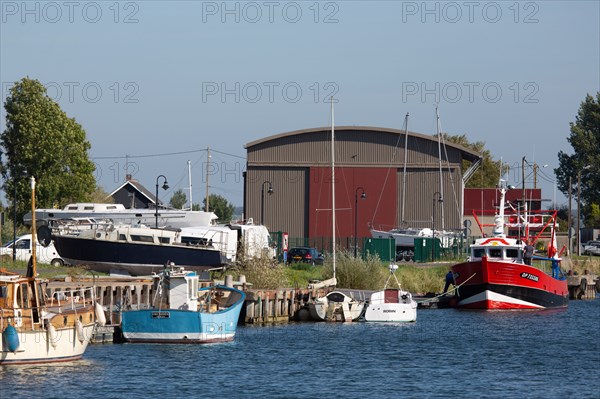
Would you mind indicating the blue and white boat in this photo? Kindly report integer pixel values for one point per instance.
(180, 312)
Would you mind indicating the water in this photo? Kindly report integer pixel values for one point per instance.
(446, 353)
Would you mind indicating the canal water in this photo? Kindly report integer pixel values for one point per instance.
(446, 353)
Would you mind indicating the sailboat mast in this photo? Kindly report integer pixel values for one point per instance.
(207, 166)
(333, 185)
(190, 181)
(437, 116)
(405, 161)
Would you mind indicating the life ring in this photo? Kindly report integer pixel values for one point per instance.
(583, 284)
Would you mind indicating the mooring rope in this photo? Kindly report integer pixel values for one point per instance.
(450, 291)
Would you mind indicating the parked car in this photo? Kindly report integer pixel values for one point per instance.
(305, 254)
(23, 249)
(591, 248)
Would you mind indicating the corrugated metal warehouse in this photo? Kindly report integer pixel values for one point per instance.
(287, 183)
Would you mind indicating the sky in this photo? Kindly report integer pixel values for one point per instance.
(155, 83)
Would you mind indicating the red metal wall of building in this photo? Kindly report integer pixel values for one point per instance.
(487, 198)
(381, 196)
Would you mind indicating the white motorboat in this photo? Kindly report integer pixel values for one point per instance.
(391, 304)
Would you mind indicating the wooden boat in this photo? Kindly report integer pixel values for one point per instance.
(391, 304)
(182, 313)
(496, 276)
(36, 329)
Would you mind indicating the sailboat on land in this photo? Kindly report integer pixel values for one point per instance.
(336, 305)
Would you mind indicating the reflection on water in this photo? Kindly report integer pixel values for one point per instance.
(446, 353)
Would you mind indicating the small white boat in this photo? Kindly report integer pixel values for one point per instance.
(336, 306)
(391, 304)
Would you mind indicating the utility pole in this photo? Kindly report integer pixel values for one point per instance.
(578, 213)
(570, 222)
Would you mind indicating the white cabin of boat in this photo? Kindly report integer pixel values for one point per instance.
(176, 289)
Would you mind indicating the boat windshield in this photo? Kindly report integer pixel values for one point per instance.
(496, 252)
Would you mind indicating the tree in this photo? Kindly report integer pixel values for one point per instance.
(585, 161)
(178, 199)
(40, 140)
(99, 195)
(220, 206)
(488, 174)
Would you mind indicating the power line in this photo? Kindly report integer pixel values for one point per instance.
(167, 154)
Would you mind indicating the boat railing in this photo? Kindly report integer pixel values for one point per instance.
(71, 298)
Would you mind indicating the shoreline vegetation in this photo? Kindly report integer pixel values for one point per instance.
(352, 273)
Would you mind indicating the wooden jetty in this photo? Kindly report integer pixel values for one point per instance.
(583, 286)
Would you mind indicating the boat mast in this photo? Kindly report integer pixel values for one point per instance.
(333, 185)
(190, 181)
(405, 160)
(207, 166)
(439, 133)
(33, 237)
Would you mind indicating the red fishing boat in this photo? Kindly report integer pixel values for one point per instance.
(496, 275)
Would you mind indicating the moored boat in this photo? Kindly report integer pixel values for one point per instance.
(180, 312)
(336, 306)
(497, 276)
(36, 329)
(391, 304)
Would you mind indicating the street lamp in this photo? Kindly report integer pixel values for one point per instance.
(262, 198)
(165, 186)
(439, 200)
(362, 197)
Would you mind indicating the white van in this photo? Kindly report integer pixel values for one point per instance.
(23, 247)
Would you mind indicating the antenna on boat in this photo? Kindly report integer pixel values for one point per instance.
(207, 166)
(439, 134)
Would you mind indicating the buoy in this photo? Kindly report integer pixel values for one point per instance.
(11, 337)
(100, 316)
(79, 328)
(52, 337)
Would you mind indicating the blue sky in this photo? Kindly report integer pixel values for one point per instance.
(158, 77)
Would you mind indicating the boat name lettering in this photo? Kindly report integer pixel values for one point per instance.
(389, 311)
(161, 315)
(530, 276)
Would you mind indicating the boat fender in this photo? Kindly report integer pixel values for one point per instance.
(11, 337)
(598, 285)
(79, 329)
(52, 336)
(583, 284)
(100, 316)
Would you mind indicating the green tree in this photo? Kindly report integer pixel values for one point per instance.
(40, 140)
(488, 174)
(99, 195)
(220, 206)
(585, 160)
(178, 199)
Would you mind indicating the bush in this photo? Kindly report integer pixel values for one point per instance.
(356, 273)
(261, 272)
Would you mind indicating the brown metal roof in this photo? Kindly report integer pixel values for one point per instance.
(467, 153)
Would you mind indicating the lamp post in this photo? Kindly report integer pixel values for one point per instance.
(362, 197)
(165, 186)
(262, 198)
(439, 200)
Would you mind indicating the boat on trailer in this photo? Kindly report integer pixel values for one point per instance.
(181, 312)
(391, 304)
(496, 276)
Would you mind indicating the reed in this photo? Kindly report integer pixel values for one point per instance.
(261, 272)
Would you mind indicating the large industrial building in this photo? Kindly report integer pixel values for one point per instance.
(287, 184)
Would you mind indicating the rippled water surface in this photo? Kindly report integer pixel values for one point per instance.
(446, 353)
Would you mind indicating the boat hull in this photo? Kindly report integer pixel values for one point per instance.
(496, 285)
(392, 312)
(40, 347)
(182, 326)
(134, 258)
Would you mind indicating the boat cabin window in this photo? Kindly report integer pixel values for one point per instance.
(122, 237)
(164, 240)
(495, 253)
(111, 207)
(512, 253)
(193, 240)
(72, 208)
(135, 237)
(478, 252)
(88, 208)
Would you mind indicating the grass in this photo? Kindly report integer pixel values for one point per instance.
(47, 271)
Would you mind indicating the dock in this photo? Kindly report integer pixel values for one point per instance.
(583, 286)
